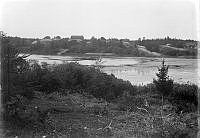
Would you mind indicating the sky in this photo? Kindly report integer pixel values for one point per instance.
(130, 19)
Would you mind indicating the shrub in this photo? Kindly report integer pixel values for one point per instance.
(184, 97)
(91, 80)
(107, 86)
(144, 89)
(49, 83)
(72, 75)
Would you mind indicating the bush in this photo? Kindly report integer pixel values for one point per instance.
(91, 80)
(184, 97)
(49, 83)
(144, 89)
(108, 87)
(73, 75)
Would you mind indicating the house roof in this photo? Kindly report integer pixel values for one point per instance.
(77, 37)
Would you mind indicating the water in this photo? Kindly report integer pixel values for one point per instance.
(137, 70)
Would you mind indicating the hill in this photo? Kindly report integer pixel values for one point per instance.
(171, 47)
(121, 47)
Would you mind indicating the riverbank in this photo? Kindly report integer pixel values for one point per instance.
(109, 55)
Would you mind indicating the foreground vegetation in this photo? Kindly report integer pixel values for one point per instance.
(72, 100)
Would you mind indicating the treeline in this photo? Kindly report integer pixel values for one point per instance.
(86, 46)
(22, 44)
(93, 45)
(49, 45)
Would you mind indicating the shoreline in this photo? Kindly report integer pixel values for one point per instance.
(117, 64)
(109, 55)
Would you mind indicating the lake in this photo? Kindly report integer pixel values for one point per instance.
(137, 70)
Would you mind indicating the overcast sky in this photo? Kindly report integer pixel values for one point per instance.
(109, 18)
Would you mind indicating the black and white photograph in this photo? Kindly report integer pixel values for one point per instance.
(99, 68)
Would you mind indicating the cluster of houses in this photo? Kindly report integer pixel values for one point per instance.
(47, 40)
(125, 42)
(190, 45)
(79, 38)
(186, 46)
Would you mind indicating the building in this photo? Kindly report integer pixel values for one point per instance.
(77, 38)
(42, 42)
(126, 44)
(190, 45)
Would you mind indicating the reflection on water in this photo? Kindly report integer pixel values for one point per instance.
(138, 70)
(136, 75)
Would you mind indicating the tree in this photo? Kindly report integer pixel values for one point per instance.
(13, 92)
(164, 84)
(57, 37)
(47, 37)
(103, 39)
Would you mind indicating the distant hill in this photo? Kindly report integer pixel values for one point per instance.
(171, 47)
(121, 47)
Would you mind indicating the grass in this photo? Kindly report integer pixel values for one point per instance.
(83, 116)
